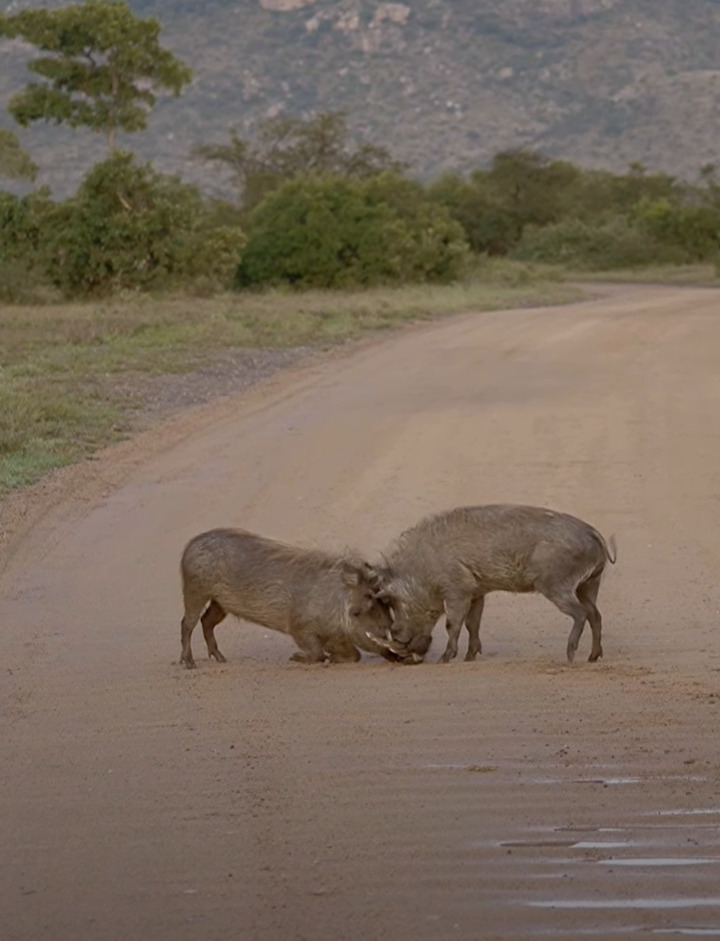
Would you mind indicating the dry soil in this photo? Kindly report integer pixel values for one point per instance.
(515, 797)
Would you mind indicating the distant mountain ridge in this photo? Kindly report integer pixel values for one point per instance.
(444, 84)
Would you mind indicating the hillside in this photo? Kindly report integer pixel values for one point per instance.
(443, 83)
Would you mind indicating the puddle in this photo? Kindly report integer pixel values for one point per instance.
(637, 780)
(659, 861)
(570, 844)
(592, 904)
(698, 932)
(455, 766)
(602, 845)
(446, 766)
(682, 813)
(562, 844)
(590, 829)
(676, 826)
(606, 931)
(603, 781)
(617, 780)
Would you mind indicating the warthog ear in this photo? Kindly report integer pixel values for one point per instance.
(384, 595)
(351, 576)
(376, 577)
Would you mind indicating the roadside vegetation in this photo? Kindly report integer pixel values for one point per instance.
(63, 367)
(326, 237)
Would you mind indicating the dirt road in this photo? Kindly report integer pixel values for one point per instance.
(516, 797)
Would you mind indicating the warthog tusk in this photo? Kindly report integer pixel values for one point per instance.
(411, 657)
(384, 643)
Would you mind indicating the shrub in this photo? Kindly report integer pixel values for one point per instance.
(23, 229)
(130, 227)
(436, 245)
(330, 231)
(614, 243)
(694, 231)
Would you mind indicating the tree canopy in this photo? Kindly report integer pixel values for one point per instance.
(15, 163)
(103, 67)
(288, 147)
(328, 231)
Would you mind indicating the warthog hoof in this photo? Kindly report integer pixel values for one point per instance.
(413, 659)
(300, 657)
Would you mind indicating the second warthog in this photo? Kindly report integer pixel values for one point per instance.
(325, 602)
(450, 561)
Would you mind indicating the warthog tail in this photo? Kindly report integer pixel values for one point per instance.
(609, 546)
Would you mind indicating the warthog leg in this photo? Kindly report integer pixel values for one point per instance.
(472, 623)
(193, 610)
(457, 610)
(212, 617)
(311, 650)
(342, 651)
(587, 593)
(567, 601)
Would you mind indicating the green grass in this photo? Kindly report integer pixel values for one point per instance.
(58, 362)
(699, 274)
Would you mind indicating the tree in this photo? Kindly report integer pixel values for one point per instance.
(694, 231)
(328, 231)
(710, 186)
(103, 67)
(24, 224)
(130, 227)
(605, 244)
(528, 185)
(487, 227)
(288, 147)
(15, 163)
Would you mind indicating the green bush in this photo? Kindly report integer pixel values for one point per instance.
(19, 282)
(614, 243)
(436, 245)
(489, 228)
(330, 232)
(23, 229)
(132, 228)
(694, 231)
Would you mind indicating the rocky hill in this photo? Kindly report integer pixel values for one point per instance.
(443, 83)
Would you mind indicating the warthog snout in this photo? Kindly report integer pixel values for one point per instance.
(401, 652)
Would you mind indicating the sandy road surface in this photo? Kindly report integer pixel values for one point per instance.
(516, 797)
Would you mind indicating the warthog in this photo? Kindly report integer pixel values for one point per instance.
(325, 602)
(452, 560)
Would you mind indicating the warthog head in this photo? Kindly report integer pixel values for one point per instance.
(414, 613)
(369, 615)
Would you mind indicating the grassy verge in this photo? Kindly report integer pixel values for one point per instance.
(57, 363)
(699, 275)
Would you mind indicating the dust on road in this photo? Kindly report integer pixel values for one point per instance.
(515, 797)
